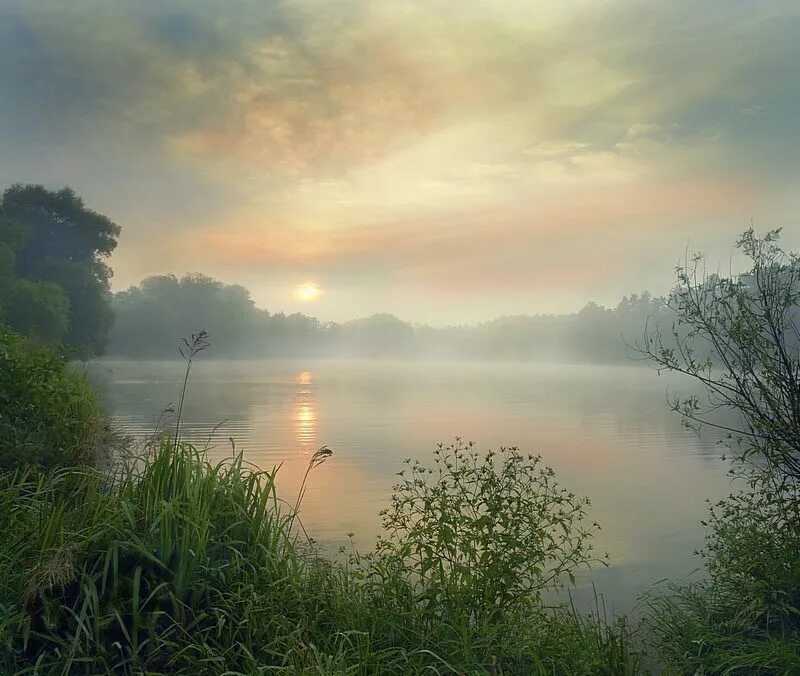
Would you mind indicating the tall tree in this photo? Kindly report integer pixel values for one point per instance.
(739, 337)
(65, 243)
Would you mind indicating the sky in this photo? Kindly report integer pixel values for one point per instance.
(445, 161)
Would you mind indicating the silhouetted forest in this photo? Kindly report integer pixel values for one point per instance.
(151, 317)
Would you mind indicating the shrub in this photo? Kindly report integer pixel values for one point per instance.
(744, 618)
(484, 531)
(49, 415)
(471, 545)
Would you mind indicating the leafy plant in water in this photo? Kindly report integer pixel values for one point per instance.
(479, 534)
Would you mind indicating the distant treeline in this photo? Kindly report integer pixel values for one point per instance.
(54, 286)
(151, 317)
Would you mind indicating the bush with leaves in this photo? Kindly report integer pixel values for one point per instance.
(49, 414)
(474, 541)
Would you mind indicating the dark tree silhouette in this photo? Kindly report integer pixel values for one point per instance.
(51, 238)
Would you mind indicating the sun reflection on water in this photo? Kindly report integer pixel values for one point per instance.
(305, 411)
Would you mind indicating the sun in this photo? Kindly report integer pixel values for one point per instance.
(307, 291)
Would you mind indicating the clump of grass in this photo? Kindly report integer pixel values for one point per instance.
(744, 617)
(146, 569)
(695, 630)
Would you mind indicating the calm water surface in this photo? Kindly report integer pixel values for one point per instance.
(606, 431)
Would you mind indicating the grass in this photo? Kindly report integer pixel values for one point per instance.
(696, 631)
(744, 618)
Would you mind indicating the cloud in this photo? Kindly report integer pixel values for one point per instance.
(525, 248)
(408, 140)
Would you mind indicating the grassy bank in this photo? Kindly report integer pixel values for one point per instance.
(160, 562)
(175, 565)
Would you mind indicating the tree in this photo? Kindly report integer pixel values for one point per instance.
(55, 238)
(38, 309)
(91, 315)
(11, 238)
(740, 337)
(378, 335)
(151, 317)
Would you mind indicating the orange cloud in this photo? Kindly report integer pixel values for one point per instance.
(560, 240)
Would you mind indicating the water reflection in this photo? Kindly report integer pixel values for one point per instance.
(305, 419)
(305, 412)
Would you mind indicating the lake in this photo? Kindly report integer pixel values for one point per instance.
(606, 430)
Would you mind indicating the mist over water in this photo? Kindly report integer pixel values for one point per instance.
(606, 430)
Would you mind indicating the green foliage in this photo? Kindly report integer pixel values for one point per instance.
(51, 238)
(49, 415)
(174, 565)
(11, 234)
(11, 238)
(38, 309)
(7, 259)
(59, 227)
(745, 617)
(753, 555)
(482, 532)
(470, 547)
(91, 315)
(696, 631)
